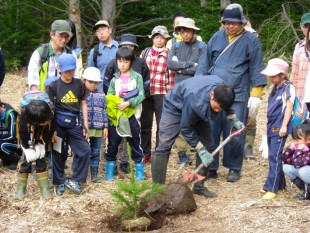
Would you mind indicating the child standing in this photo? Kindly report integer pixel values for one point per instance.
(9, 152)
(278, 124)
(97, 118)
(68, 95)
(125, 82)
(296, 160)
(36, 131)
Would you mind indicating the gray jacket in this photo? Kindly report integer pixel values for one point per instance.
(187, 55)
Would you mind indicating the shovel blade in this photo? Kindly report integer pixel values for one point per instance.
(189, 177)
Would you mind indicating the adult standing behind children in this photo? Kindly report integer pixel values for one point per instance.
(105, 51)
(68, 95)
(161, 81)
(183, 59)
(236, 56)
(97, 118)
(300, 76)
(43, 62)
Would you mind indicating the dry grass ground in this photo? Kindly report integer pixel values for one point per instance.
(239, 207)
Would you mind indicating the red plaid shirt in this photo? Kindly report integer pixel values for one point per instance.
(162, 79)
(300, 69)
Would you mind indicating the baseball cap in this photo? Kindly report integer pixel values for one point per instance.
(275, 66)
(66, 62)
(92, 74)
(305, 18)
(61, 26)
(162, 30)
(101, 23)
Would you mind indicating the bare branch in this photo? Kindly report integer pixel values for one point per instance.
(289, 21)
(56, 8)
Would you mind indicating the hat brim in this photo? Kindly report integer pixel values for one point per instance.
(272, 71)
(162, 34)
(67, 68)
(128, 43)
(98, 25)
(177, 28)
(67, 32)
(232, 20)
(92, 79)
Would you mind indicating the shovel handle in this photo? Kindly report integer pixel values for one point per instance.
(232, 135)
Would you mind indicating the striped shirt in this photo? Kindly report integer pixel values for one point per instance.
(162, 79)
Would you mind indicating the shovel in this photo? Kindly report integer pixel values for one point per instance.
(189, 177)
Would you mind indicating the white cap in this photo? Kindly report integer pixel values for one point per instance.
(92, 74)
(275, 66)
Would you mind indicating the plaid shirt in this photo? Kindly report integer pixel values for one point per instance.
(162, 79)
(300, 69)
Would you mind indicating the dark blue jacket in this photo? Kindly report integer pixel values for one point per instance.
(190, 101)
(240, 66)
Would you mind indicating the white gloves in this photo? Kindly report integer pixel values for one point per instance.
(253, 104)
(40, 150)
(174, 58)
(33, 154)
(264, 147)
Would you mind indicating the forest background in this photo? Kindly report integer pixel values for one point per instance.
(25, 24)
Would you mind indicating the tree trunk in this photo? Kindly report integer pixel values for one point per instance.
(203, 3)
(108, 12)
(225, 3)
(75, 17)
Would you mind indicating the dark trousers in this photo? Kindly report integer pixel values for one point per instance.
(81, 150)
(275, 179)
(150, 105)
(40, 165)
(234, 150)
(169, 129)
(114, 140)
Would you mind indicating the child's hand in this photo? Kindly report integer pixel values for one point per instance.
(283, 131)
(123, 105)
(105, 133)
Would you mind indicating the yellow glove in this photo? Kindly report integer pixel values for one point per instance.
(257, 92)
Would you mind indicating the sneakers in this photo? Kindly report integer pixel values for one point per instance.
(269, 195)
(212, 174)
(262, 191)
(184, 159)
(124, 166)
(233, 175)
(73, 186)
(60, 189)
(147, 159)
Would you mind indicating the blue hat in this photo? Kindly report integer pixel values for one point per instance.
(234, 13)
(66, 62)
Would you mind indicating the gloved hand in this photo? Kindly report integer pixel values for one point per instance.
(253, 104)
(205, 156)
(40, 150)
(264, 147)
(235, 122)
(30, 154)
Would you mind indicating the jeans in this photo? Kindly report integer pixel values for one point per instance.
(95, 144)
(150, 105)
(233, 151)
(303, 173)
(114, 141)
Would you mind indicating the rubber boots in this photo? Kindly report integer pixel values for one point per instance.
(109, 171)
(140, 171)
(249, 142)
(43, 183)
(22, 179)
(94, 173)
(159, 167)
(199, 187)
(299, 183)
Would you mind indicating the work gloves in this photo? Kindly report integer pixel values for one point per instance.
(235, 122)
(255, 99)
(205, 156)
(32, 154)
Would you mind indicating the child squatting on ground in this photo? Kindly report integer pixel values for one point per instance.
(68, 94)
(97, 118)
(36, 132)
(278, 124)
(124, 98)
(296, 160)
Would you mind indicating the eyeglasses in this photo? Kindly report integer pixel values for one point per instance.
(63, 36)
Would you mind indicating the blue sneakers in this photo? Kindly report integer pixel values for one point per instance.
(60, 189)
(73, 186)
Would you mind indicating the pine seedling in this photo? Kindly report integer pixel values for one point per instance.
(129, 195)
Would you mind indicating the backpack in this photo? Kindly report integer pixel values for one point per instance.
(298, 107)
(96, 54)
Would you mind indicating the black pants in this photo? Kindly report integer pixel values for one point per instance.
(150, 105)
